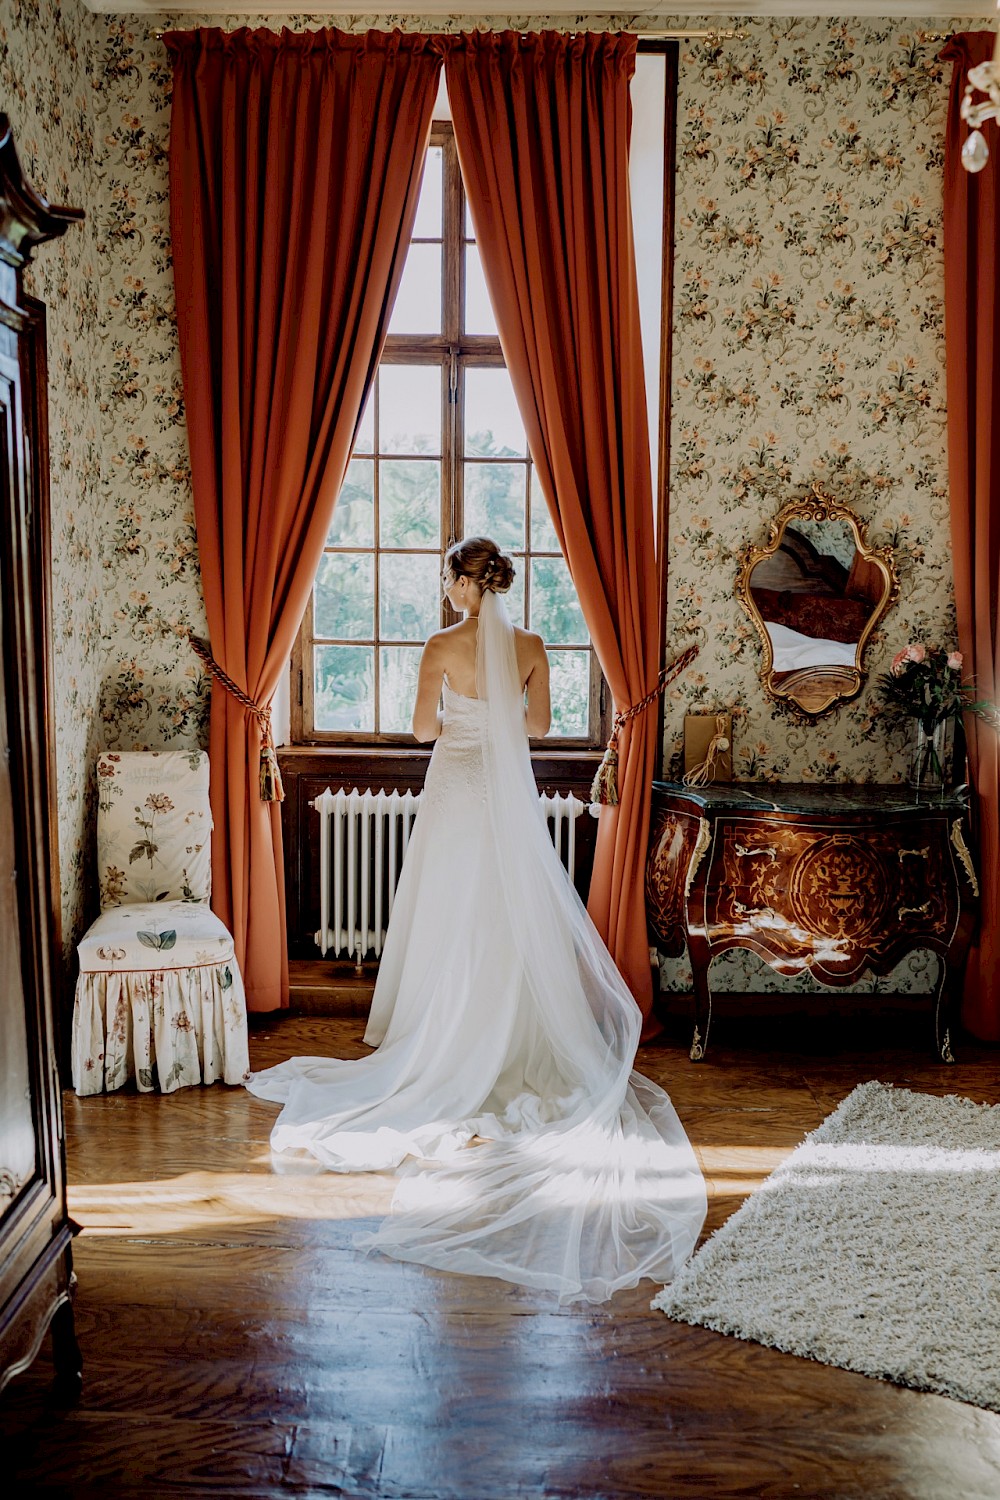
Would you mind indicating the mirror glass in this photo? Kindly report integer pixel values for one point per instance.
(815, 592)
(815, 596)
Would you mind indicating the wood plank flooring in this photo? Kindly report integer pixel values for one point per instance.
(235, 1344)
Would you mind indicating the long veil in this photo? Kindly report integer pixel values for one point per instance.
(606, 1190)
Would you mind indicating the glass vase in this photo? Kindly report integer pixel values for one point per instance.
(931, 753)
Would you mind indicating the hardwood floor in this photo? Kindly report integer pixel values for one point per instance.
(235, 1344)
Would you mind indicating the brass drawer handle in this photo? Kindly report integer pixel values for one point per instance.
(745, 853)
(924, 853)
(914, 911)
(754, 911)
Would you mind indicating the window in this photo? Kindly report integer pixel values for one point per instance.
(440, 453)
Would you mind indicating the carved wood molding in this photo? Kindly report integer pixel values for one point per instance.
(26, 220)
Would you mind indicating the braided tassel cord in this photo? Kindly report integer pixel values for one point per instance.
(604, 790)
(269, 774)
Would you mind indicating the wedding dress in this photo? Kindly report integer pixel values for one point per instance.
(502, 1088)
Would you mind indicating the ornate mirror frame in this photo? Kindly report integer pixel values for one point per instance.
(808, 692)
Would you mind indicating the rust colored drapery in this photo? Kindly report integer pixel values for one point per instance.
(542, 131)
(295, 163)
(972, 355)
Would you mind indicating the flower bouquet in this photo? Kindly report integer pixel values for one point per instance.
(924, 684)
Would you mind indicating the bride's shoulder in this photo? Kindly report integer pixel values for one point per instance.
(448, 635)
(450, 646)
(530, 649)
(527, 640)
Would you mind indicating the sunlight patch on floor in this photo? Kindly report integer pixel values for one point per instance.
(210, 1200)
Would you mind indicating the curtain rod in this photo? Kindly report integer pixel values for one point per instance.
(712, 35)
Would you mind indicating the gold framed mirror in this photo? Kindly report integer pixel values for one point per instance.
(815, 591)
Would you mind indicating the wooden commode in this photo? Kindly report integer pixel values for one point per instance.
(835, 881)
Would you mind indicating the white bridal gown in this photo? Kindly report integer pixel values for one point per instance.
(500, 1020)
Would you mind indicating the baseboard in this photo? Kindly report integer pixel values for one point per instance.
(336, 987)
(330, 988)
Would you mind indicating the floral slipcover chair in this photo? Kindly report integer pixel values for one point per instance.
(160, 996)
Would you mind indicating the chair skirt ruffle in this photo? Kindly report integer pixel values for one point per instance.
(164, 1027)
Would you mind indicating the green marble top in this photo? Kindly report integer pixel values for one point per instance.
(805, 797)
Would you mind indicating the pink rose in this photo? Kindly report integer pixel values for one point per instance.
(914, 652)
(955, 661)
(897, 662)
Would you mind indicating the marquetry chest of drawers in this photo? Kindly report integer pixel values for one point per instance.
(832, 880)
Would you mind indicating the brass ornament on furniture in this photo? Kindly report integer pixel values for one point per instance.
(697, 854)
(962, 851)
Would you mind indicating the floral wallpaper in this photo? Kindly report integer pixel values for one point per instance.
(807, 344)
(46, 88)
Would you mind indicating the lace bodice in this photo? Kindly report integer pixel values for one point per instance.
(464, 718)
(457, 759)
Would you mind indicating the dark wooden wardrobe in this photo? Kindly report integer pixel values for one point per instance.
(35, 1233)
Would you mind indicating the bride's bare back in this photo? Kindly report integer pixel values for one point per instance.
(451, 654)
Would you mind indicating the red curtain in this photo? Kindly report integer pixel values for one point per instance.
(542, 130)
(972, 352)
(295, 163)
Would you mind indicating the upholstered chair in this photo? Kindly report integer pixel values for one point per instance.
(160, 996)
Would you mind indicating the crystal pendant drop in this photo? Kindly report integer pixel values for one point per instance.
(975, 152)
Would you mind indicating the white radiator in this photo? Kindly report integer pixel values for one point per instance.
(362, 840)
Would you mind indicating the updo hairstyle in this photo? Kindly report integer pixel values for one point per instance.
(480, 559)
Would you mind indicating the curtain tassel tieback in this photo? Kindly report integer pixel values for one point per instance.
(271, 789)
(605, 788)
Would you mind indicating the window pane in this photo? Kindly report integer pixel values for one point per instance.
(470, 233)
(515, 595)
(397, 688)
(478, 307)
(353, 523)
(344, 687)
(410, 502)
(365, 440)
(418, 302)
(555, 609)
(344, 607)
(409, 413)
(543, 533)
(493, 426)
(409, 596)
(494, 502)
(569, 676)
(428, 220)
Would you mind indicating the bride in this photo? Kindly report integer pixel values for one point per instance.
(502, 1087)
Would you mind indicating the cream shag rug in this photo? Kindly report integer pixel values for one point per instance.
(875, 1247)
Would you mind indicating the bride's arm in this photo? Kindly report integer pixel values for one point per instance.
(538, 714)
(426, 719)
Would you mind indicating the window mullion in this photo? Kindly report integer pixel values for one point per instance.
(376, 560)
(447, 467)
(452, 381)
